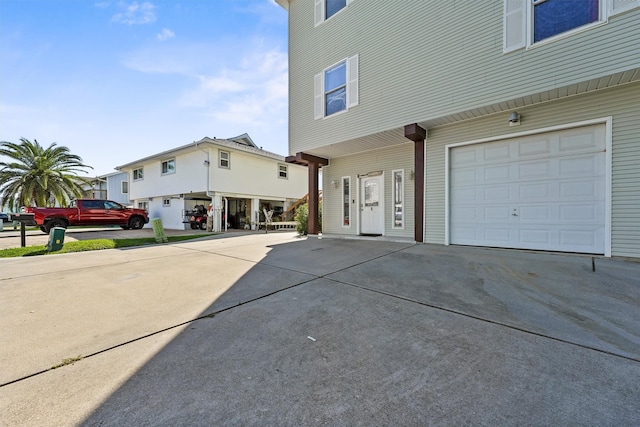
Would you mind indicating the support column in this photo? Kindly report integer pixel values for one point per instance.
(314, 202)
(418, 135)
(314, 164)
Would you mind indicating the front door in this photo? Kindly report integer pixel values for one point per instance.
(372, 205)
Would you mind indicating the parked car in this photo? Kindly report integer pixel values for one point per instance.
(4, 217)
(89, 212)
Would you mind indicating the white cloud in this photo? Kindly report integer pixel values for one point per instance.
(254, 93)
(166, 34)
(135, 13)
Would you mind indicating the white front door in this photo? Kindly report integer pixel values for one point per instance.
(372, 205)
(544, 191)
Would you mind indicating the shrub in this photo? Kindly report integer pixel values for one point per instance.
(302, 217)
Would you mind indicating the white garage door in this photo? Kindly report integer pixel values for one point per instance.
(543, 192)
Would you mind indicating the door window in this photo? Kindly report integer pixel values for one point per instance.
(371, 193)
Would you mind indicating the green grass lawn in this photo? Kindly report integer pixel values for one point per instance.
(89, 245)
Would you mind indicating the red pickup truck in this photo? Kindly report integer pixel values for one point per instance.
(89, 212)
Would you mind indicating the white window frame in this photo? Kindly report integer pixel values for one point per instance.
(166, 202)
(518, 25)
(220, 159)
(402, 199)
(281, 170)
(141, 174)
(143, 205)
(167, 162)
(352, 90)
(346, 179)
(124, 187)
(319, 11)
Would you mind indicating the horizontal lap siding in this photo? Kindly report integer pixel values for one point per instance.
(425, 59)
(620, 103)
(387, 160)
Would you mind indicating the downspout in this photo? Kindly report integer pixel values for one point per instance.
(226, 212)
(208, 162)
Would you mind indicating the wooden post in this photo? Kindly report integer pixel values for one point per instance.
(418, 135)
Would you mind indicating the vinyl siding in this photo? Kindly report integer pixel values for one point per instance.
(620, 103)
(424, 59)
(386, 160)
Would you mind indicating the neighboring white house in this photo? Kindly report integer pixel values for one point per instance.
(512, 124)
(113, 186)
(233, 175)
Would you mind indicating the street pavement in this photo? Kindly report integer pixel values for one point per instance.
(275, 329)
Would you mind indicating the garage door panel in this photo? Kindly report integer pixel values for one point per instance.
(535, 213)
(528, 171)
(542, 192)
(530, 237)
(497, 153)
(577, 238)
(535, 147)
(589, 213)
(497, 194)
(581, 140)
(588, 165)
(493, 213)
(497, 235)
(497, 173)
(464, 177)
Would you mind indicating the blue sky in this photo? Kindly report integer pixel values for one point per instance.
(120, 80)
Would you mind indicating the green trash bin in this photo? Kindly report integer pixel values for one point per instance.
(56, 239)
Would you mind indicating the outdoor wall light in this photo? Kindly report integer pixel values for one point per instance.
(412, 175)
(205, 163)
(335, 184)
(514, 119)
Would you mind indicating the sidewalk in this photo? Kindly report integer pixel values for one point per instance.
(272, 329)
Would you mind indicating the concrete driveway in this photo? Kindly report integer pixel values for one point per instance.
(272, 329)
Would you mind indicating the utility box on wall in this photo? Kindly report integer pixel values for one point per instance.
(56, 239)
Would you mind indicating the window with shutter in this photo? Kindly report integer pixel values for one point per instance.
(336, 88)
(528, 22)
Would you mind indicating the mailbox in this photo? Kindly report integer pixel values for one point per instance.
(56, 239)
(26, 218)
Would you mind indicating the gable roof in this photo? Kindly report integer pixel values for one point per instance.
(241, 143)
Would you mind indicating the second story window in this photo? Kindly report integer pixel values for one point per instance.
(168, 166)
(325, 9)
(224, 159)
(283, 171)
(527, 22)
(336, 88)
(137, 174)
(125, 187)
(553, 17)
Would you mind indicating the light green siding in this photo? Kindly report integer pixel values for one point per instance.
(423, 59)
(620, 103)
(433, 62)
(386, 160)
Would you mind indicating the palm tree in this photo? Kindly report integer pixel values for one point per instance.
(34, 175)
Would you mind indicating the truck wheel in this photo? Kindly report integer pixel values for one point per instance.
(43, 229)
(136, 223)
(56, 222)
(203, 225)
